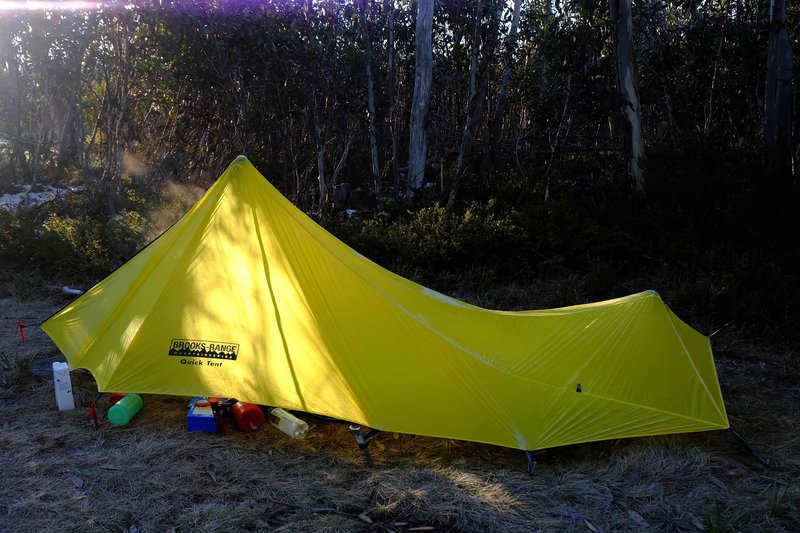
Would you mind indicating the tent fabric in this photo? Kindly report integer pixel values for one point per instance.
(247, 297)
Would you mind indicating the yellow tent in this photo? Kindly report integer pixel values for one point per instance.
(247, 297)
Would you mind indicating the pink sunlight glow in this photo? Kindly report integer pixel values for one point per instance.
(68, 5)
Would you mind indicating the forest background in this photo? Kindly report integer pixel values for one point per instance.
(516, 154)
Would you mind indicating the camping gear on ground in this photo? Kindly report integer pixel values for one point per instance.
(363, 440)
(247, 297)
(114, 398)
(20, 330)
(93, 414)
(63, 385)
(219, 408)
(201, 416)
(288, 423)
(125, 409)
(206, 414)
(249, 416)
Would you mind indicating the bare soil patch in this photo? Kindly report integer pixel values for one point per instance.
(152, 475)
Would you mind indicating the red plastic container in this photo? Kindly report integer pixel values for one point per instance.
(117, 396)
(248, 416)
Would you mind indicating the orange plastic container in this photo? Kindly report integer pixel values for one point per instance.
(248, 416)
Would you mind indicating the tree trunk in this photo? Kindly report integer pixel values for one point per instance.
(348, 141)
(42, 144)
(120, 77)
(508, 70)
(14, 98)
(373, 137)
(779, 91)
(496, 123)
(423, 73)
(474, 108)
(628, 90)
(323, 188)
(319, 141)
(119, 145)
(544, 65)
(389, 8)
(68, 138)
(710, 108)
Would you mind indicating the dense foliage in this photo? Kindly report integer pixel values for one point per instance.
(127, 101)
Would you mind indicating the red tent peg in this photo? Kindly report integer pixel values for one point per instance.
(93, 414)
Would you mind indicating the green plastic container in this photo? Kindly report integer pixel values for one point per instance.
(124, 410)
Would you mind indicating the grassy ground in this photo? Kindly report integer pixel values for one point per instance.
(60, 474)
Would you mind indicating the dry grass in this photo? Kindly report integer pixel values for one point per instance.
(60, 474)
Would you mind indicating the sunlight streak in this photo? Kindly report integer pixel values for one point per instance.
(69, 5)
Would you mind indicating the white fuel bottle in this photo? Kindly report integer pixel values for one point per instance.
(64, 399)
(288, 423)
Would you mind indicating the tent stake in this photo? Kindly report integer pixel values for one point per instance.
(744, 444)
(531, 462)
(363, 441)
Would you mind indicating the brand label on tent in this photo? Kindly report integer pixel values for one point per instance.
(208, 349)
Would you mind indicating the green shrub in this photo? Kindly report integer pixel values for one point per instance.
(78, 241)
(435, 239)
(15, 234)
(125, 234)
(61, 238)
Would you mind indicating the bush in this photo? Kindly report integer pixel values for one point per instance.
(437, 240)
(125, 234)
(74, 246)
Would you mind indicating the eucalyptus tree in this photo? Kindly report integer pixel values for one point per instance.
(43, 58)
(495, 128)
(779, 98)
(423, 71)
(628, 90)
(366, 36)
(484, 39)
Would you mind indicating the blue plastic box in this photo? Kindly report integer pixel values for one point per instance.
(200, 418)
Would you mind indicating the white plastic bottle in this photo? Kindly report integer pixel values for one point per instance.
(288, 423)
(64, 399)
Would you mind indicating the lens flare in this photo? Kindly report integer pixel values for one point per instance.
(68, 5)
